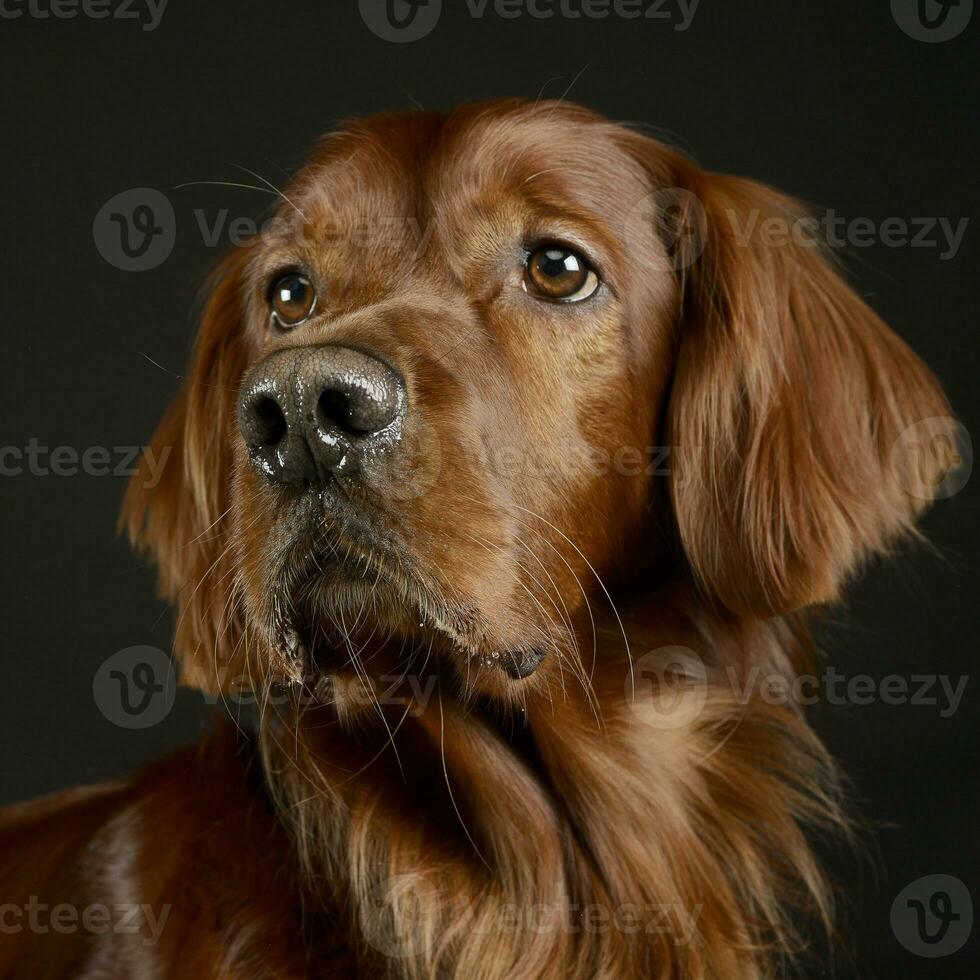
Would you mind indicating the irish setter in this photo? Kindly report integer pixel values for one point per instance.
(508, 454)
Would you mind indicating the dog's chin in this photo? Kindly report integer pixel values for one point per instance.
(345, 594)
(354, 613)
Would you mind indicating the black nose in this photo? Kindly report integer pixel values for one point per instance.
(307, 413)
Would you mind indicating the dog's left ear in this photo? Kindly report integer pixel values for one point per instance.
(177, 504)
(792, 406)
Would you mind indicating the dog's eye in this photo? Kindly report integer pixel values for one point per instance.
(557, 273)
(292, 298)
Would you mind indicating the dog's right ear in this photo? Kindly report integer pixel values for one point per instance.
(814, 435)
(176, 506)
(807, 436)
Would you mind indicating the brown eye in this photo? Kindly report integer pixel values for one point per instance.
(292, 298)
(557, 273)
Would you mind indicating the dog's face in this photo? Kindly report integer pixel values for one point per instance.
(451, 350)
(426, 399)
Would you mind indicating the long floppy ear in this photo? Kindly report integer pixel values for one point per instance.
(792, 407)
(180, 515)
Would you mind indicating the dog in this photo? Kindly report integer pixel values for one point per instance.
(506, 455)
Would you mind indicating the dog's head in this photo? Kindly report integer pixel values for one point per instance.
(483, 365)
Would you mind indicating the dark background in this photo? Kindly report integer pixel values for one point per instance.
(831, 102)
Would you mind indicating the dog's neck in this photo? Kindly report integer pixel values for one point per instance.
(650, 829)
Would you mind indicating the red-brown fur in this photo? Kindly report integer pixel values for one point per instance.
(417, 838)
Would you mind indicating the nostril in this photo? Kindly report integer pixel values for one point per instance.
(269, 423)
(334, 410)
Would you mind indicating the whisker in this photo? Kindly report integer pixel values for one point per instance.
(596, 707)
(602, 585)
(445, 772)
(273, 187)
(561, 98)
(221, 183)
